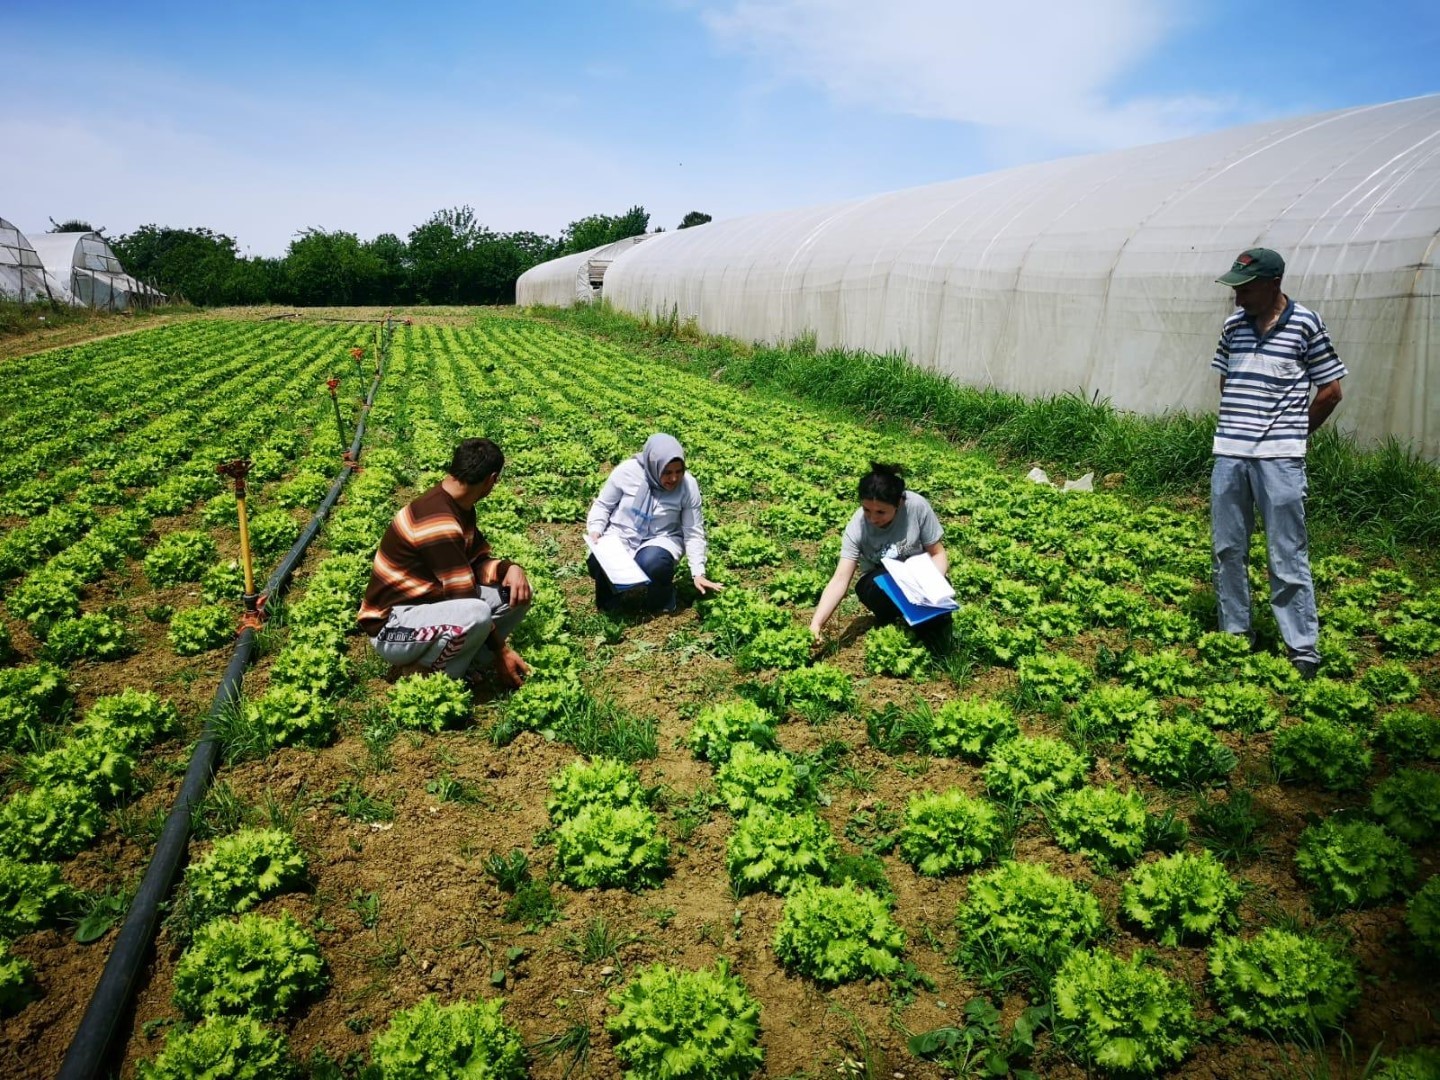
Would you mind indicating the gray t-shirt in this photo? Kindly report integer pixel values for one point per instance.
(913, 529)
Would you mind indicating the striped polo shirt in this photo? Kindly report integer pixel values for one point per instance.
(430, 552)
(1265, 406)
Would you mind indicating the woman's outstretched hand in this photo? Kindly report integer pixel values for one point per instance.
(704, 585)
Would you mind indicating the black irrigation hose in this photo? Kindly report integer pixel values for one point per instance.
(90, 1048)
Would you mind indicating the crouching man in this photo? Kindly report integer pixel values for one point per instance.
(438, 600)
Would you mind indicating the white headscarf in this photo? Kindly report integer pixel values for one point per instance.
(659, 451)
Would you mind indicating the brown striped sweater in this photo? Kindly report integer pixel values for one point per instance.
(431, 551)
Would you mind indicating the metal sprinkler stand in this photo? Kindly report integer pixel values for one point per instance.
(254, 614)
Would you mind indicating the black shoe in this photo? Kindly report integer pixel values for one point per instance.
(1306, 668)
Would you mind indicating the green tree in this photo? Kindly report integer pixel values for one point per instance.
(694, 217)
(597, 229)
(330, 268)
(190, 264)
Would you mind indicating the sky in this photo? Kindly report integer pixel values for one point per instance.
(260, 120)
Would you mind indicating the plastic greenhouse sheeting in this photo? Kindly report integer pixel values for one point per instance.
(89, 272)
(571, 278)
(22, 274)
(1096, 275)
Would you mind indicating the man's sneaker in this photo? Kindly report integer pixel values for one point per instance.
(1306, 668)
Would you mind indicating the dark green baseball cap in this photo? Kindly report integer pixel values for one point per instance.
(1252, 264)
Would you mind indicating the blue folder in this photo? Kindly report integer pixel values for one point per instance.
(914, 614)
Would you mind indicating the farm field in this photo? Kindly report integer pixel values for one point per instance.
(1088, 799)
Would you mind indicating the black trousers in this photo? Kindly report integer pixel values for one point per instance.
(932, 632)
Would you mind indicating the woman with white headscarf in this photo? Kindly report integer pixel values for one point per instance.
(653, 505)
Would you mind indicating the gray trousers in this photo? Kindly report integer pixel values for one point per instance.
(1277, 486)
(448, 635)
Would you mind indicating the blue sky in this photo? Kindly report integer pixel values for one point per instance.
(263, 119)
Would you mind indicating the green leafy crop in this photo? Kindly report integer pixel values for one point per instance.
(272, 532)
(291, 716)
(970, 727)
(1053, 677)
(428, 702)
(242, 869)
(686, 1025)
(751, 775)
(611, 847)
(310, 666)
(199, 629)
(130, 720)
(179, 557)
(465, 1039)
(235, 1047)
(1323, 753)
(1021, 917)
(17, 977)
(601, 782)
(948, 831)
(92, 636)
(1033, 769)
(32, 895)
(838, 933)
(1239, 707)
(1390, 682)
(718, 728)
(1181, 897)
(1180, 752)
(545, 701)
(1165, 673)
(776, 850)
(1279, 982)
(889, 650)
(1122, 1016)
(1409, 735)
(1351, 863)
(1110, 712)
(1330, 699)
(254, 966)
(53, 821)
(1408, 804)
(1420, 1063)
(90, 762)
(30, 696)
(786, 648)
(1422, 916)
(814, 692)
(1107, 824)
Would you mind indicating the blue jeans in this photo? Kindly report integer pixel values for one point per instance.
(1277, 486)
(659, 567)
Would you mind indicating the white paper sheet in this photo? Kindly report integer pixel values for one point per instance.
(921, 581)
(619, 565)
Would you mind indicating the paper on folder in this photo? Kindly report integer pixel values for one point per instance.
(921, 581)
(617, 562)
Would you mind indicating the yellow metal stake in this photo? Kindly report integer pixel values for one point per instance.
(238, 470)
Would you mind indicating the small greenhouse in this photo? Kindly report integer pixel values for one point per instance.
(1096, 275)
(571, 278)
(90, 274)
(22, 273)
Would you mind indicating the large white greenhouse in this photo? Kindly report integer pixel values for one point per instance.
(571, 279)
(22, 274)
(89, 272)
(1095, 275)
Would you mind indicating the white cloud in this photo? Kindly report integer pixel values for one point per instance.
(1034, 66)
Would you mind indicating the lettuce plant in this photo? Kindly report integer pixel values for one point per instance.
(235, 1047)
(54, 821)
(17, 981)
(1408, 804)
(272, 533)
(889, 650)
(242, 869)
(1179, 752)
(751, 775)
(1107, 824)
(1221, 650)
(30, 696)
(46, 597)
(1350, 863)
(318, 669)
(1422, 916)
(1323, 753)
(91, 762)
(1275, 673)
(290, 716)
(178, 558)
(1053, 677)
(686, 1025)
(254, 966)
(1124, 1017)
(92, 636)
(429, 1041)
(130, 720)
(428, 702)
(1023, 917)
(1033, 769)
(32, 895)
(1239, 706)
(1280, 982)
(544, 702)
(814, 692)
(1181, 897)
(1389, 682)
(1109, 712)
(199, 629)
(1330, 699)
(718, 728)
(838, 933)
(1418, 1063)
(737, 615)
(611, 847)
(786, 648)
(948, 831)
(1409, 735)
(601, 782)
(1164, 673)
(777, 850)
(1412, 638)
(970, 727)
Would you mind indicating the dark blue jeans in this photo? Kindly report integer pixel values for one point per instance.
(933, 632)
(659, 566)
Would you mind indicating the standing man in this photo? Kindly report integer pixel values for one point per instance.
(1271, 352)
(437, 599)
